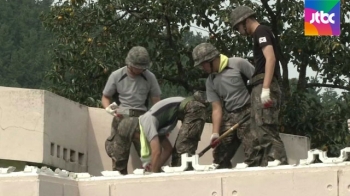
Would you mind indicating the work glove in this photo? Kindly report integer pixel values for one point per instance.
(112, 108)
(265, 98)
(214, 142)
(146, 163)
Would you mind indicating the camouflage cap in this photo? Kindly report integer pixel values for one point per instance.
(204, 52)
(240, 14)
(200, 96)
(138, 57)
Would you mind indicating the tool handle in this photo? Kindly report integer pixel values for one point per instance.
(243, 120)
(204, 150)
(234, 127)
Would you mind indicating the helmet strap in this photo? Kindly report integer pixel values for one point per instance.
(244, 26)
(211, 66)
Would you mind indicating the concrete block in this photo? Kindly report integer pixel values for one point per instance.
(344, 181)
(169, 186)
(286, 182)
(41, 127)
(7, 170)
(19, 186)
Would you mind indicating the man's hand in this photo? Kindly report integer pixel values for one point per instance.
(146, 163)
(265, 98)
(349, 125)
(112, 108)
(214, 142)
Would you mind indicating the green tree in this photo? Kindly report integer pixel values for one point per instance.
(92, 39)
(24, 43)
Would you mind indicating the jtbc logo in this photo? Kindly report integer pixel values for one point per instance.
(316, 17)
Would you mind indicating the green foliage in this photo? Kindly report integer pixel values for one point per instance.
(321, 117)
(24, 44)
(92, 40)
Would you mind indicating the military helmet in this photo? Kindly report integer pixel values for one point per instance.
(200, 96)
(138, 57)
(204, 52)
(240, 14)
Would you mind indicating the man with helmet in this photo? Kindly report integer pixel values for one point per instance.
(226, 90)
(150, 130)
(129, 87)
(266, 92)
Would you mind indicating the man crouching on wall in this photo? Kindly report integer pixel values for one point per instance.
(151, 130)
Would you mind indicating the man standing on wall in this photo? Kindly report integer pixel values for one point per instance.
(129, 87)
(226, 90)
(266, 93)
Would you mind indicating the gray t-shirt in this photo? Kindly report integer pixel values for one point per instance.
(228, 86)
(133, 92)
(162, 118)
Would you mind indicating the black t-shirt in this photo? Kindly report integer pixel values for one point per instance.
(263, 36)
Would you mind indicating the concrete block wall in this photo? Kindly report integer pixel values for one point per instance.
(303, 180)
(41, 127)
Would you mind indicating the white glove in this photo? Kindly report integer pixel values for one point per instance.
(265, 98)
(146, 163)
(112, 108)
(213, 137)
(349, 125)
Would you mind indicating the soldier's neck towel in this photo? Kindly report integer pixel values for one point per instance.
(145, 147)
(223, 62)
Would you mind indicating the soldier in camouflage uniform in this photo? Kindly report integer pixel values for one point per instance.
(230, 99)
(156, 124)
(266, 92)
(193, 117)
(129, 87)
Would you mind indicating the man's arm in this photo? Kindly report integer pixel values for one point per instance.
(106, 101)
(216, 116)
(269, 66)
(155, 154)
(265, 39)
(166, 152)
(108, 91)
(215, 100)
(155, 91)
(246, 68)
(155, 99)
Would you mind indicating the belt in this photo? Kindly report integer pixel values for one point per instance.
(240, 109)
(135, 113)
(259, 78)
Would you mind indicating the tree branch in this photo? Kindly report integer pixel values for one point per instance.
(212, 32)
(116, 20)
(278, 8)
(310, 85)
(268, 8)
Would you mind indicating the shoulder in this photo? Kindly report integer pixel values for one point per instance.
(149, 74)
(237, 61)
(119, 72)
(262, 30)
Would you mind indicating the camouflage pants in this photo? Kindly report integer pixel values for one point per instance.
(190, 132)
(228, 146)
(267, 145)
(118, 144)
